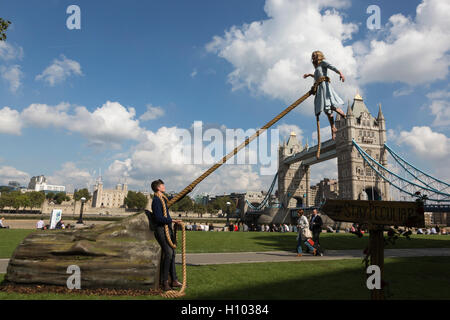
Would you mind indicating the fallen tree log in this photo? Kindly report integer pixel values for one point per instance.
(122, 254)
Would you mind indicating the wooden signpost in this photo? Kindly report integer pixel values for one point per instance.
(376, 214)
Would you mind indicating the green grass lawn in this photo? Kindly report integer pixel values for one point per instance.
(409, 278)
(203, 242)
(10, 239)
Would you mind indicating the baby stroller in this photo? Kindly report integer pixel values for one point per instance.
(319, 251)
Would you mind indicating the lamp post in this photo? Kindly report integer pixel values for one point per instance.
(80, 219)
(228, 212)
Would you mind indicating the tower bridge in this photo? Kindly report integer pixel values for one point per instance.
(362, 168)
(354, 176)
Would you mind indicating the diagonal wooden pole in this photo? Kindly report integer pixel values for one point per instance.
(191, 186)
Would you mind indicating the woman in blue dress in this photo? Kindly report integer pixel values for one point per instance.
(326, 99)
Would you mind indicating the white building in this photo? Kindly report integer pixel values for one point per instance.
(39, 183)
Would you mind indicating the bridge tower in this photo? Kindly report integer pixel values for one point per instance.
(356, 179)
(293, 179)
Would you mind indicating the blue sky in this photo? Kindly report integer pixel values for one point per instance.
(162, 54)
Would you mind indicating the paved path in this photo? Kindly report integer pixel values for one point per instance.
(283, 256)
(198, 259)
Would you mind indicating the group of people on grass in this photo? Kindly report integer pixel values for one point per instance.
(200, 227)
(433, 230)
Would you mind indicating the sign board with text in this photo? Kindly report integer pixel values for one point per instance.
(55, 218)
(391, 213)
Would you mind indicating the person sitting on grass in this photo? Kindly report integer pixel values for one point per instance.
(40, 224)
(2, 224)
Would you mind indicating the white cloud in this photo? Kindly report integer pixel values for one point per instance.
(430, 147)
(10, 52)
(440, 107)
(423, 43)
(8, 173)
(439, 94)
(159, 155)
(402, 92)
(10, 121)
(287, 129)
(194, 73)
(43, 116)
(60, 70)
(13, 75)
(441, 110)
(325, 134)
(425, 142)
(108, 125)
(269, 57)
(152, 113)
(326, 169)
(72, 177)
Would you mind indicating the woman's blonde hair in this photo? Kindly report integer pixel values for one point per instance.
(317, 56)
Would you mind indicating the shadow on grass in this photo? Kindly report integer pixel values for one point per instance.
(408, 278)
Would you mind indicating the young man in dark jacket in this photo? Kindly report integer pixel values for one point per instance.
(315, 226)
(168, 258)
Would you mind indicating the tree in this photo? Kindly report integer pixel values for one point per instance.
(136, 200)
(221, 204)
(83, 193)
(5, 189)
(185, 204)
(36, 199)
(61, 197)
(19, 200)
(200, 209)
(50, 196)
(6, 200)
(4, 24)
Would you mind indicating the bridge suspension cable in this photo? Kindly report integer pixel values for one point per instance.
(264, 203)
(402, 184)
(418, 175)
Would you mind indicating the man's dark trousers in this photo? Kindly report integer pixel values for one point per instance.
(316, 235)
(168, 254)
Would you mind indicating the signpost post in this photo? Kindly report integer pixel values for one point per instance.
(376, 214)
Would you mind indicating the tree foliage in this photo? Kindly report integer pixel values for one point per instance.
(4, 24)
(185, 204)
(136, 200)
(57, 198)
(17, 200)
(220, 203)
(82, 193)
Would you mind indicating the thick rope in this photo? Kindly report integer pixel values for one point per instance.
(175, 293)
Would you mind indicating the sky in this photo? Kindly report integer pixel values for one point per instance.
(110, 98)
